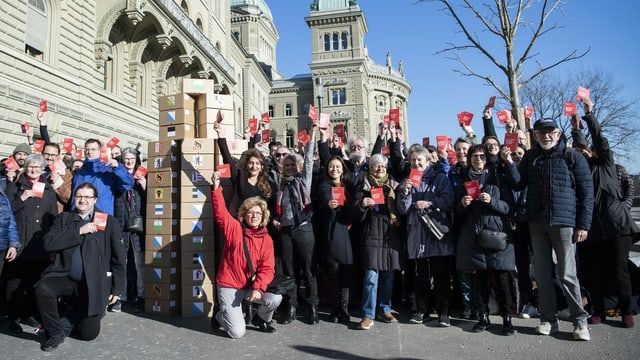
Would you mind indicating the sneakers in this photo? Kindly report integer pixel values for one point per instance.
(387, 317)
(443, 321)
(627, 321)
(417, 318)
(547, 328)
(365, 324)
(528, 311)
(115, 308)
(580, 332)
(52, 343)
(596, 319)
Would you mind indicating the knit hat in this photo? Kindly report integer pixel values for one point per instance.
(578, 139)
(24, 147)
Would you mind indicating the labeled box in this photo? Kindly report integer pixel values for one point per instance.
(176, 101)
(197, 260)
(194, 309)
(163, 194)
(205, 130)
(197, 86)
(196, 177)
(162, 307)
(197, 161)
(196, 194)
(195, 276)
(198, 292)
(162, 211)
(166, 275)
(163, 178)
(201, 210)
(159, 148)
(179, 131)
(162, 242)
(177, 117)
(162, 162)
(236, 147)
(198, 146)
(162, 258)
(162, 226)
(202, 226)
(217, 101)
(197, 243)
(161, 291)
(212, 115)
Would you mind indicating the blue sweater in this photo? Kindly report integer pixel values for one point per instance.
(106, 179)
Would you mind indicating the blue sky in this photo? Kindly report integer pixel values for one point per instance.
(414, 32)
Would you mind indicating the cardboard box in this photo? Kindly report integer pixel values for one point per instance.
(176, 101)
(217, 101)
(162, 226)
(162, 210)
(196, 276)
(197, 86)
(163, 194)
(162, 307)
(179, 131)
(197, 146)
(202, 226)
(165, 275)
(163, 178)
(189, 210)
(236, 147)
(177, 117)
(197, 260)
(162, 258)
(196, 177)
(195, 194)
(197, 161)
(210, 116)
(198, 292)
(194, 309)
(159, 148)
(162, 162)
(195, 243)
(160, 291)
(163, 242)
(205, 130)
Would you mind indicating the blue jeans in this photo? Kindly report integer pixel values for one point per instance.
(376, 284)
(544, 240)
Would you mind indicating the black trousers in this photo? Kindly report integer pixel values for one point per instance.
(522, 248)
(298, 247)
(339, 279)
(47, 293)
(437, 268)
(21, 276)
(481, 284)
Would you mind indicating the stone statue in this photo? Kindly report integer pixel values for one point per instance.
(388, 59)
(401, 68)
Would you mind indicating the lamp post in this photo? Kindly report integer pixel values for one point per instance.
(319, 91)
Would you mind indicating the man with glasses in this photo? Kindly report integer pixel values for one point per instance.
(59, 176)
(108, 177)
(559, 206)
(278, 160)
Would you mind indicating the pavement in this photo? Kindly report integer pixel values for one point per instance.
(139, 336)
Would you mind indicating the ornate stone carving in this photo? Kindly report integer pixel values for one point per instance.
(186, 60)
(163, 40)
(102, 52)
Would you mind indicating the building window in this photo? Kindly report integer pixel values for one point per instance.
(338, 96)
(327, 42)
(336, 41)
(36, 29)
(185, 7)
(288, 110)
(270, 111)
(344, 40)
(199, 25)
(290, 143)
(108, 74)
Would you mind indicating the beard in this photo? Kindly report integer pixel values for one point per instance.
(547, 146)
(356, 157)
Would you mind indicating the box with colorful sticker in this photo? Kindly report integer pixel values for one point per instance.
(197, 243)
(197, 161)
(162, 226)
(195, 309)
(163, 194)
(176, 101)
(195, 194)
(196, 177)
(196, 227)
(162, 258)
(197, 276)
(162, 242)
(198, 300)
(159, 148)
(166, 275)
(157, 163)
(162, 307)
(162, 211)
(177, 117)
(214, 101)
(164, 178)
(190, 210)
(197, 259)
(162, 291)
(179, 131)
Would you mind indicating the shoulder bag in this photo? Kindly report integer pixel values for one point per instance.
(281, 284)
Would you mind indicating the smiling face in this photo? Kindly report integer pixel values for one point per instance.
(85, 200)
(129, 161)
(462, 149)
(33, 170)
(253, 217)
(547, 137)
(418, 161)
(478, 160)
(51, 154)
(492, 146)
(378, 170)
(335, 170)
(289, 167)
(253, 166)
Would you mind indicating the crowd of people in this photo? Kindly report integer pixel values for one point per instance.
(414, 229)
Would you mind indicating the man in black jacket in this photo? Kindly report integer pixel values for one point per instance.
(87, 269)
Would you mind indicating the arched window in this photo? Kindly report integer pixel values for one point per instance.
(199, 25)
(288, 110)
(290, 143)
(36, 29)
(327, 42)
(184, 7)
(336, 41)
(270, 111)
(345, 43)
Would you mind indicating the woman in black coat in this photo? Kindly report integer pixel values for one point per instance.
(335, 243)
(35, 210)
(489, 210)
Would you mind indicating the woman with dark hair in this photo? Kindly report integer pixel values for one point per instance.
(335, 244)
(488, 211)
(246, 239)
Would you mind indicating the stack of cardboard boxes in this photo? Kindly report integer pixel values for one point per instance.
(180, 246)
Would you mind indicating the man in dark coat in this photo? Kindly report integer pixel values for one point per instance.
(87, 269)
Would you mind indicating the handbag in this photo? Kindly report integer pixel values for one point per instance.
(134, 223)
(436, 223)
(281, 284)
(492, 240)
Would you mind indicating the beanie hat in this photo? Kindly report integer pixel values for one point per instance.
(24, 147)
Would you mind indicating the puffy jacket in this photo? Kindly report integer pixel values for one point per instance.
(106, 179)
(570, 198)
(8, 228)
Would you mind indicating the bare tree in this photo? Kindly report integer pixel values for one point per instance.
(503, 19)
(618, 116)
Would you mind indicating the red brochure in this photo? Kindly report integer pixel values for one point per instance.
(394, 115)
(224, 170)
(79, 154)
(492, 102)
(473, 188)
(302, 136)
(324, 121)
(377, 194)
(113, 142)
(582, 93)
(11, 164)
(313, 113)
(24, 127)
(425, 141)
(100, 220)
(528, 112)
(253, 126)
(266, 136)
(43, 106)
(504, 116)
(511, 141)
(58, 167)
(415, 176)
(569, 108)
(105, 155)
(442, 142)
(265, 118)
(38, 189)
(339, 131)
(385, 120)
(464, 118)
(38, 146)
(337, 193)
(140, 171)
(67, 145)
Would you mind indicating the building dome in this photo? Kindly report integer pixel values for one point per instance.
(253, 6)
(327, 5)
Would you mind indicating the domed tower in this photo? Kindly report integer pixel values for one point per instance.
(252, 26)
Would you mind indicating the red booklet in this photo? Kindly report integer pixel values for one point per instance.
(385, 120)
(79, 154)
(38, 189)
(58, 167)
(67, 145)
(38, 146)
(511, 141)
(303, 137)
(377, 194)
(265, 118)
(266, 136)
(105, 155)
(569, 108)
(582, 93)
(313, 113)
(24, 127)
(473, 188)
(253, 126)
(492, 102)
(100, 220)
(225, 171)
(339, 130)
(528, 112)
(11, 164)
(425, 141)
(415, 176)
(140, 171)
(464, 118)
(113, 142)
(504, 116)
(324, 121)
(43, 106)
(442, 142)
(394, 115)
(337, 193)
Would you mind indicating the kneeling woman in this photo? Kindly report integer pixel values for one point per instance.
(238, 279)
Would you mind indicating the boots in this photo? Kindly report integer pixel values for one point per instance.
(507, 326)
(483, 324)
(313, 315)
(340, 312)
(289, 316)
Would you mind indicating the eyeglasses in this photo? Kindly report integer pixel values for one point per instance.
(44, 154)
(84, 197)
(254, 213)
(34, 167)
(491, 144)
(356, 147)
(91, 149)
(281, 154)
(129, 159)
(478, 156)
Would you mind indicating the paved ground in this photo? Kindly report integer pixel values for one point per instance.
(132, 336)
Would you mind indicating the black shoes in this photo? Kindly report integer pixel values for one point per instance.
(215, 325)
(14, 327)
(52, 343)
(313, 315)
(507, 326)
(483, 324)
(289, 316)
(262, 325)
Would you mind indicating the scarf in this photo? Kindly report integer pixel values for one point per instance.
(390, 199)
(297, 187)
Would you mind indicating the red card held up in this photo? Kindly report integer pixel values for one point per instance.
(394, 115)
(473, 188)
(511, 141)
(141, 171)
(569, 108)
(24, 127)
(425, 141)
(67, 145)
(528, 112)
(442, 142)
(492, 102)
(265, 118)
(38, 146)
(337, 193)
(11, 164)
(105, 155)
(464, 118)
(113, 142)
(79, 154)
(224, 170)
(340, 131)
(100, 220)
(253, 125)
(43, 106)
(377, 194)
(504, 116)
(583, 93)
(302, 136)
(313, 113)
(385, 120)
(38, 189)
(266, 136)
(324, 120)
(415, 176)
(58, 167)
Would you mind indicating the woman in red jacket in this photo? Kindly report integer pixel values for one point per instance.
(237, 279)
